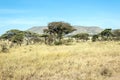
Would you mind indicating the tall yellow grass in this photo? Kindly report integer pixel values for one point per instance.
(79, 61)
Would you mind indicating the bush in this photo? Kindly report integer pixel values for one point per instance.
(58, 42)
(4, 48)
(94, 38)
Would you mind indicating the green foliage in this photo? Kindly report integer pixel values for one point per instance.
(58, 42)
(60, 28)
(12, 35)
(81, 36)
(44, 35)
(56, 31)
(95, 38)
(106, 34)
(17, 36)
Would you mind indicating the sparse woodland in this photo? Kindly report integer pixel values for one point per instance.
(55, 55)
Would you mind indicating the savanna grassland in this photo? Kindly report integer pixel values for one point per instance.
(79, 61)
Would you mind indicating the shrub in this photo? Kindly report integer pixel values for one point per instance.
(58, 42)
(4, 48)
(94, 38)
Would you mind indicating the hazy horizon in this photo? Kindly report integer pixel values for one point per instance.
(24, 14)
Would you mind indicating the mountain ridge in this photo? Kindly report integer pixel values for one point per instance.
(79, 29)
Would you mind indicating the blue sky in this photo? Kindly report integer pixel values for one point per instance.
(23, 14)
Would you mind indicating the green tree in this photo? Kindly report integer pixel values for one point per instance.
(16, 36)
(95, 38)
(106, 34)
(57, 30)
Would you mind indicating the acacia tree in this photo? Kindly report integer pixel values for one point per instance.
(57, 30)
(16, 36)
(106, 34)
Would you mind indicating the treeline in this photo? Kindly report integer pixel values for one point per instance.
(20, 37)
(55, 34)
(107, 35)
(14, 38)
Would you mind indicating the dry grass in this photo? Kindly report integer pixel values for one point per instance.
(80, 61)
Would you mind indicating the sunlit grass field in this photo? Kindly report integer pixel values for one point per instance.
(78, 61)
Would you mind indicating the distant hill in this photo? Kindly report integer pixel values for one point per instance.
(37, 29)
(80, 29)
(87, 29)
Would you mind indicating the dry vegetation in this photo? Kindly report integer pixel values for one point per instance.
(80, 61)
